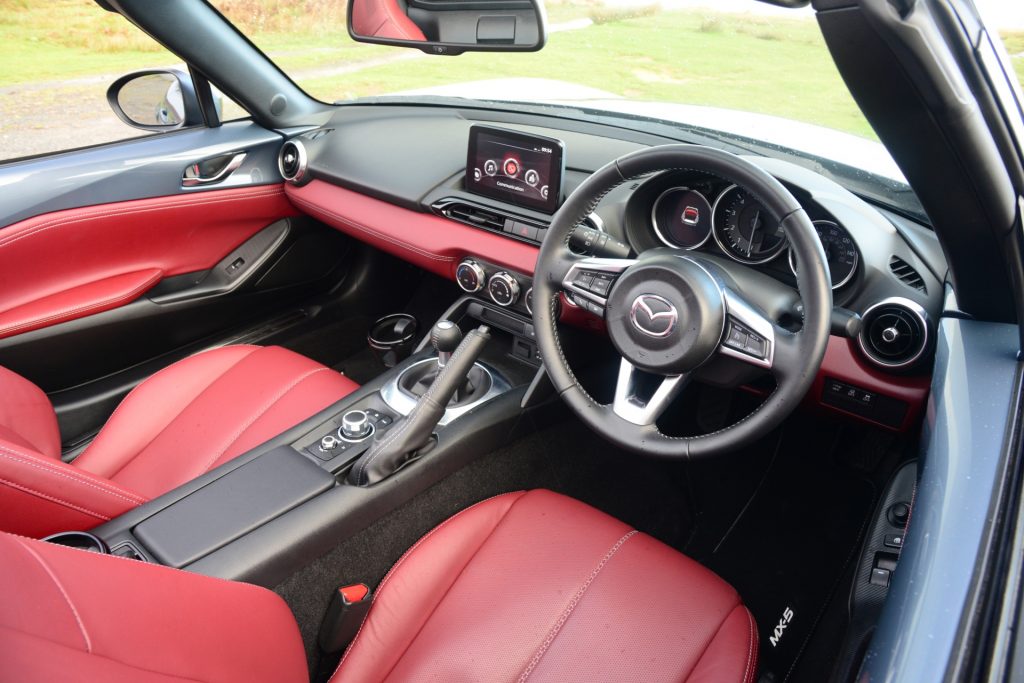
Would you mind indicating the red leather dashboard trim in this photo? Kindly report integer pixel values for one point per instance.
(843, 362)
(79, 302)
(86, 258)
(431, 242)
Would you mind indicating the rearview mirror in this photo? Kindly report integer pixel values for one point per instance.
(450, 27)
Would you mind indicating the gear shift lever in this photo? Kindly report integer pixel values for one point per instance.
(445, 337)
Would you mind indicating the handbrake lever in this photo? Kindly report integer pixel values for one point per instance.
(401, 443)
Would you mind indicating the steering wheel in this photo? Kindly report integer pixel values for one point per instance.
(669, 313)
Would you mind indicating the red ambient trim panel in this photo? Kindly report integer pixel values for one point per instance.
(431, 242)
(69, 264)
(844, 362)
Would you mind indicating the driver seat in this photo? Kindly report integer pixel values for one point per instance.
(524, 586)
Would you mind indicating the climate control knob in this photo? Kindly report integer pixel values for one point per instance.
(503, 288)
(470, 276)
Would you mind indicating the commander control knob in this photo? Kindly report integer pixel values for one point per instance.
(503, 288)
(355, 425)
(470, 276)
(445, 337)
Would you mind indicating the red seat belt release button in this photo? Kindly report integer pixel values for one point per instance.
(345, 614)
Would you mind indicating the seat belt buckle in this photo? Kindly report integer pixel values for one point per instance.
(345, 614)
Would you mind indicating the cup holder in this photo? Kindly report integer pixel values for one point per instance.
(392, 338)
(79, 539)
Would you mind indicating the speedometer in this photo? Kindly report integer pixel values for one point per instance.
(840, 252)
(744, 229)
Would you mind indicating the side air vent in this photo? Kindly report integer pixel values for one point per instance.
(291, 161)
(894, 334)
(906, 274)
(474, 215)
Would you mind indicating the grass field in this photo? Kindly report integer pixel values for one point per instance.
(774, 66)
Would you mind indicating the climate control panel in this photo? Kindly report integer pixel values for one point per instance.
(506, 288)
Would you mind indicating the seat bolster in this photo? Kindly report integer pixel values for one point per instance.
(40, 495)
(737, 635)
(205, 410)
(85, 616)
(26, 415)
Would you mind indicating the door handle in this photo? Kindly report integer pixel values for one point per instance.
(211, 171)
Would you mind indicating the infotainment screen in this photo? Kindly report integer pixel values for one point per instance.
(521, 169)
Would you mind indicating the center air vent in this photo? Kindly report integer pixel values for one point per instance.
(292, 161)
(474, 215)
(894, 334)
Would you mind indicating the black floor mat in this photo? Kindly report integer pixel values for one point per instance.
(786, 551)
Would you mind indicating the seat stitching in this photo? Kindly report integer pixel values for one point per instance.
(60, 587)
(408, 553)
(750, 647)
(173, 419)
(156, 374)
(576, 599)
(267, 406)
(71, 475)
(26, 489)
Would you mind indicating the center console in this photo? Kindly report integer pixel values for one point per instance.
(263, 515)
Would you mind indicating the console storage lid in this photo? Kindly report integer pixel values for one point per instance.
(232, 506)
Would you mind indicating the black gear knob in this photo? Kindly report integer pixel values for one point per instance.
(445, 337)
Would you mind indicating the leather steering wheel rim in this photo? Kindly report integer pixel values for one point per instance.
(793, 358)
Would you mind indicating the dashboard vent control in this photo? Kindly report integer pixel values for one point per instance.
(894, 334)
(906, 274)
(473, 215)
(291, 161)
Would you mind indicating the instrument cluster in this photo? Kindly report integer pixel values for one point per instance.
(717, 217)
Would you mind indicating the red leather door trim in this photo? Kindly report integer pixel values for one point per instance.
(431, 242)
(90, 259)
(79, 302)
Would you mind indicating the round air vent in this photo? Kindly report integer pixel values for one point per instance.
(292, 161)
(894, 333)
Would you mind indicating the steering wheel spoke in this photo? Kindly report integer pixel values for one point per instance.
(631, 407)
(589, 279)
(749, 336)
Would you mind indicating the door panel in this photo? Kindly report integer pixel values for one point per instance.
(68, 264)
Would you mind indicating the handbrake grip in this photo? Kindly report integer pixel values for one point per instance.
(400, 443)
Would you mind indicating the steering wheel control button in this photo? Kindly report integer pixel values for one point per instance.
(355, 426)
(470, 276)
(503, 288)
(741, 339)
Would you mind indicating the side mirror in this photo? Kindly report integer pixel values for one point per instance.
(450, 27)
(160, 100)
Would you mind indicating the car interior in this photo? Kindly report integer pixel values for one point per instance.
(392, 391)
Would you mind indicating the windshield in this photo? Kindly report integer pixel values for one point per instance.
(758, 75)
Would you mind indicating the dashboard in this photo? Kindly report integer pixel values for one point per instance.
(356, 174)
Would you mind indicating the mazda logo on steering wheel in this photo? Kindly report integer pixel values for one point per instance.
(653, 315)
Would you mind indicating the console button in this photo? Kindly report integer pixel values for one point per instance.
(503, 288)
(525, 231)
(470, 276)
(355, 425)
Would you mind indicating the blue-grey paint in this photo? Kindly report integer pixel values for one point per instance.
(135, 169)
(965, 427)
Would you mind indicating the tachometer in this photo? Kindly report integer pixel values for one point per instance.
(682, 218)
(840, 252)
(744, 229)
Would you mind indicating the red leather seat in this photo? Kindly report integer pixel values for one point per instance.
(181, 422)
(525, 586)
